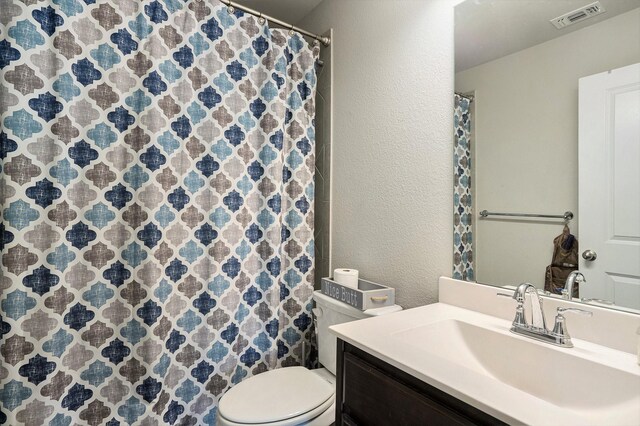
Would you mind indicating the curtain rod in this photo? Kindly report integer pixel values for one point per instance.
(324, 40)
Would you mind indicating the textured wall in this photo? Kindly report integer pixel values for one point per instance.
(392, 140)
(533, 96)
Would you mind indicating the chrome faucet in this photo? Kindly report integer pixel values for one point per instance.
(537, 329)
(574, 278)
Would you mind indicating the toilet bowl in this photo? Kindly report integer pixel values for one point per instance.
(295, 395)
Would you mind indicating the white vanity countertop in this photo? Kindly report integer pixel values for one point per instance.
(389, 338)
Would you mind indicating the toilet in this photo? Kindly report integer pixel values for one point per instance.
(295, 395)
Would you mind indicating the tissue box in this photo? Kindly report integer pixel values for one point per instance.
(368, 295)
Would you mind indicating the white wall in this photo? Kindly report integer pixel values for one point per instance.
(322, 212)
(392, 140)
(526, 137)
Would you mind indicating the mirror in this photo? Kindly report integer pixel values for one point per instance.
(522, 85)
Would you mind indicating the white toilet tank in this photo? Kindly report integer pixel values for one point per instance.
(330, 312)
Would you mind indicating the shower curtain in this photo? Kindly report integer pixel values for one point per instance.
(462, 197)
(157, 208)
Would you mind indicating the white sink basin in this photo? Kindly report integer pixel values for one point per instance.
(475, 358)
(553, 374)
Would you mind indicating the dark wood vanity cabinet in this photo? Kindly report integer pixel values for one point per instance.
(370, 392)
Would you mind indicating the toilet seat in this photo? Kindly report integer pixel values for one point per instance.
(282, 397)
(321, 416)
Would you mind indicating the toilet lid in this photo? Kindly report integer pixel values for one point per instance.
(275, 395)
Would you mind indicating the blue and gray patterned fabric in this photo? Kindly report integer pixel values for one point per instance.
(157, 208)
(462, 197)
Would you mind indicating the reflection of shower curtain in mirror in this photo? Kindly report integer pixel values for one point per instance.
(462, 200)
(156, 192)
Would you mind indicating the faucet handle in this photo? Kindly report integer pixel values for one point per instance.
(603, 301)
(576, 311)
(560, 327)
(519, 320)
(515, 296)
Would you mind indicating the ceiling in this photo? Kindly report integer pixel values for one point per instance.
(290, 11)
(490, 29)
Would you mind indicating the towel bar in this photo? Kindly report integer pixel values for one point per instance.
(566, 216)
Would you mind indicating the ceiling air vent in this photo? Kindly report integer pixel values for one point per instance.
(578, 15)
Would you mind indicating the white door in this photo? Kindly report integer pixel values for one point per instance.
(609, 185)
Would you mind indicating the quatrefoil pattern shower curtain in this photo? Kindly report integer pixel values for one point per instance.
(156, 195)
(462, 196)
